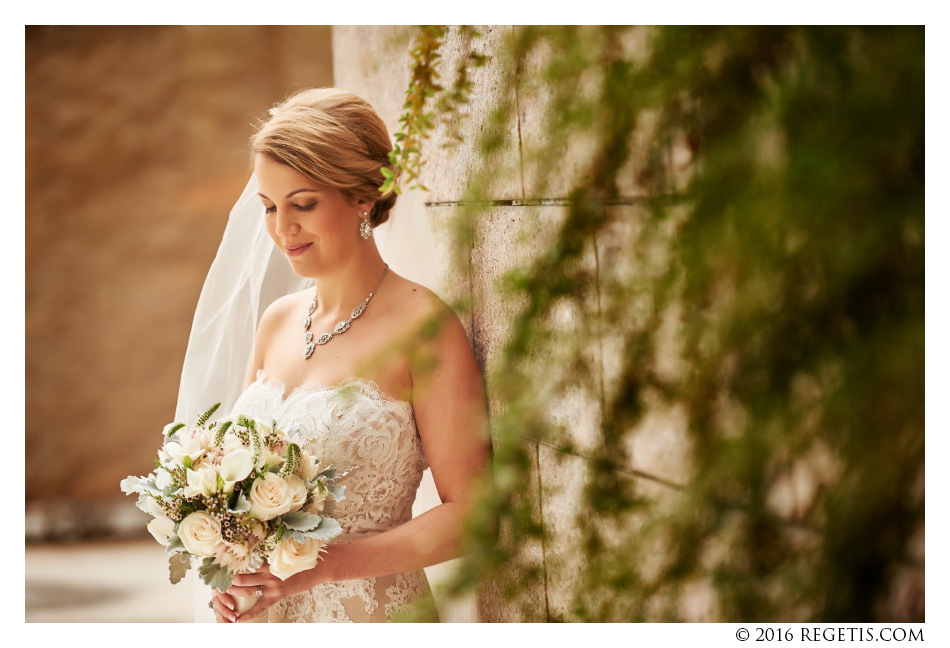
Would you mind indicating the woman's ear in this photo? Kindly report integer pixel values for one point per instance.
(366, 206)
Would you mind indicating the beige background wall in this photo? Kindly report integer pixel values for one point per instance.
(135, 150)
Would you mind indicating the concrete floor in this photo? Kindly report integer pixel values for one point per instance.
(127, 581)
(103, 582)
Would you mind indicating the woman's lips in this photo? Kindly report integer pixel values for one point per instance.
(298, 250)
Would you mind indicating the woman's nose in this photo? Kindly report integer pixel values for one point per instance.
(287, 222)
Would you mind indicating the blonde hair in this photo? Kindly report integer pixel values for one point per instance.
(334, 138)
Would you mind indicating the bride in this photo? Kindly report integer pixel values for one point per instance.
(368, 369)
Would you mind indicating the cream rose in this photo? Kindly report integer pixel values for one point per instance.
(298, 492)
(291, 557)
(270, 496)
(200, 533)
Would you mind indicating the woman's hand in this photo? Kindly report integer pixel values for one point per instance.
(271, 588)
(223, 605)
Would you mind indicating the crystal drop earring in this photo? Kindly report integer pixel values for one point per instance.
(365, 230)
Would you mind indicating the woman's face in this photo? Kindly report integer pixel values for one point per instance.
(315, 226)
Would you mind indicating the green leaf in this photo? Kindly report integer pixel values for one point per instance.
(219, 434)
(174, 428)
(175, 544)
(327, 530)
(142, 502)
(178, 566)
(130, 484)
(301, 521)
(133, 484)
(186, 462)
(337, 491)
(204, 417)
(214, 575)
(386, 172)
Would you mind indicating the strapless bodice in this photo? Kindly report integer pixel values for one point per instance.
(353, 425)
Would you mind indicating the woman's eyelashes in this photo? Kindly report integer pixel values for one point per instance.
(304, 208)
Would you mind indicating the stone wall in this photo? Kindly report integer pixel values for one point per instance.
(524, 207)
(373, 62)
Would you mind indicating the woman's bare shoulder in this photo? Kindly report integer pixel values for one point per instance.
(415, 304)
(280, 311)
(284, 305)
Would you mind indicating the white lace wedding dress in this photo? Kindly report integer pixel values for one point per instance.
(351, 424)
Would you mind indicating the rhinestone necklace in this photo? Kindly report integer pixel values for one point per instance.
(341, 326)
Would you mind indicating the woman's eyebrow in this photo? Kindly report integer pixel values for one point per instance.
(302, 191)
(296, 191)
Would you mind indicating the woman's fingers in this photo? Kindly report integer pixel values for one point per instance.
(235, 590)
(224, 598)
(254, 578)
(222, 613)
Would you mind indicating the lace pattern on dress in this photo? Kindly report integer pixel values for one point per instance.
(350, 425)
(405, 591)
(324, 603)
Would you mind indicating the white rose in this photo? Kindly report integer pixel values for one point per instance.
(161, 529)
(203, 481)
(200, 533)
(291, 557)
(298, 492)
(270, 496)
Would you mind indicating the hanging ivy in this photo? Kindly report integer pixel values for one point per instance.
(739, 252)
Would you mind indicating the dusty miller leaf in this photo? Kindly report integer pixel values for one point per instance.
(214, 575)
(178, 565)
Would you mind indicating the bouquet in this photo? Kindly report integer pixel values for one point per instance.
(233, 494)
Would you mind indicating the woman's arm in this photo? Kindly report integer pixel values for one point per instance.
(451, 416)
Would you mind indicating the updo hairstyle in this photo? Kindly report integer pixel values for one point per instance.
(334, 138)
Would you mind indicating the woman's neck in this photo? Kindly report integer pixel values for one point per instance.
(342, 291)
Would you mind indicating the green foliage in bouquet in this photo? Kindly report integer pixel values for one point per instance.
(735, 273)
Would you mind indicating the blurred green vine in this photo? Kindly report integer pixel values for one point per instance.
(419, 116)
(736, 260)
